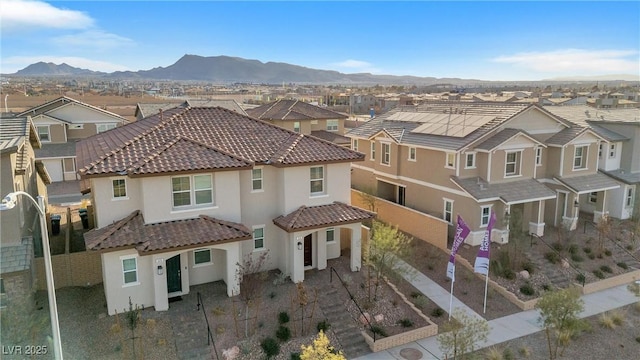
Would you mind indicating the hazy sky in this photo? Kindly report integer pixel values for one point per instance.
(522, 40)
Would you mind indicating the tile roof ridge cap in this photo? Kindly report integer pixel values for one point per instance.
(287, 146)
(268, 108)
(229, 224)
(153, 155)
(296, 215)
(117, 226)
(216, 149)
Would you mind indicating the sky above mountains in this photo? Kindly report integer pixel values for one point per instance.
(521, 40)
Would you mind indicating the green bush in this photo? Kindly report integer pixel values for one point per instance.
(546, 287)
(623, 265)
(552, 257)
(607, 252)
(573, 249)
(294, 356)
(270, 347)
(587, 250)
(283, 317)
(527, 289)
(437, 312)
(580, 278)
(577, 258)
(528, 265)
(591, 256)
(378, 330)
(283, 333)
(557, 246)
(421, 301)
(606, 268)
(405, 323)
(598, 273)
(415, 294)
(323, 326)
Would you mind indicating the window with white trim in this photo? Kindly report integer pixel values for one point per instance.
(104, 127)
(386, 154)
(412, 154)
(316, 174)
(331, 235)
(201, 256)
(192, 190)
(354, 144)
(629, 198)
(258, 238)
(512, 163)
(593, 197)
(119, 188)
(538, 156)
(447, 213)
(580, 157)
(44, 133)
(296, 126)
(373, 149)
(130, 270)
(470, 161)
(332, 125)
(256, 179)
(600, 151)
(612, 151)
(450, 161)
(485, 212)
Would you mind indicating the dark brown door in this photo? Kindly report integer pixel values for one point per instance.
(307, 251)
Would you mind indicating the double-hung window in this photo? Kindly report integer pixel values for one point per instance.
(192, 190)
(373, 149)
(629, 198)
(412, 154)
(485, 212)
(119, 188)
(512, 163)
(612, 151)
(354, 145)
(386, 153)
(43, 133)
(256, 179)
(130, 270)
(580, 157)
(296, 126)
(450, 161)
(470, 161)
(316, 174)
(447, 214)
(538, 156)
(258, 238)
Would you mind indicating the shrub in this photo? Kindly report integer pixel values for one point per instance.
(638, 339)
(294, 356)
(437, 312)
(607, 252)
(573, 249)
(623, 265)
(528, 265)
(580, 278)
(283, 317)
(557, 246)
(493, 354)
(546, 287)
(591, 256)
(629, 247)
(421, 302)
(378, 330)
(606, 321)
(283, 333)
(606, 268)
(617, 316)
(270, 347)
(552, 257)
(272, 295)
(507, 354)
(218, 310)
(587, 250)
(598, 273)
(405, 323)
(509, 274)
(527, 289)
(525, 351)
(577, 258)
(323, 326)
(415, 294)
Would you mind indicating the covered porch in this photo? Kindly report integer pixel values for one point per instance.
(587, 193)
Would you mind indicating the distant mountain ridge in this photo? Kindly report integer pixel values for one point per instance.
(227, 69)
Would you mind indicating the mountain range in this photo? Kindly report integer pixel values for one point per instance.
(226, 69)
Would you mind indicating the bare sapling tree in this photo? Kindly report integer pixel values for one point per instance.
(132, 317)
(458, 337)
(251, 278)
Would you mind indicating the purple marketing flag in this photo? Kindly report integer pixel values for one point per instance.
(462, 230)
(481, 265)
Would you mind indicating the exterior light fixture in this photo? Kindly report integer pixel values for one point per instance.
(299, 245)
(160, 272)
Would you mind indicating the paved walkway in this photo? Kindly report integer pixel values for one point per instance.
(502, 329)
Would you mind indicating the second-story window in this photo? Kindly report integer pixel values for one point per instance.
(354, 145)
(512, 163)
(538, 156)
(580, 157)
(119, 188)
(470, 161)
(192, 190)
(612, 151)
(386, 154)
(412, 154)
(450, 161)
(296, 126)
(104, 127)
(317, 180)
(373, 149)
(43, 133)
(256, 179)
(332, 125)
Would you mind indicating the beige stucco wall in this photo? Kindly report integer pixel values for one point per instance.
(116, 292)
(592, 156)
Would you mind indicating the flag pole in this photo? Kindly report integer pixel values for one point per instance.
(486, 284)
(451, 294)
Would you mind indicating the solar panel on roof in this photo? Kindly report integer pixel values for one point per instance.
(456, 125)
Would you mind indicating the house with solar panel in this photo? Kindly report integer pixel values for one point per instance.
(452, 158)
(183, 196)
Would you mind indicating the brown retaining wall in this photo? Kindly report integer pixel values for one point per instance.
(75, 269)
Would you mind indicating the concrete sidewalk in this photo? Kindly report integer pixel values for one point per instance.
(502, 329)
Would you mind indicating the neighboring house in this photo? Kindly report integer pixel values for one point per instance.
(183, 196)
(19, 227)
(469, 158)
(304, 118)
(62, 122)
(147, 109)
(618, 157)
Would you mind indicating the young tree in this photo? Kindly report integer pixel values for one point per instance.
(559, 311)
(386, 247)
(459, 338)
(251, 277)
(133, 319)
(321, 349)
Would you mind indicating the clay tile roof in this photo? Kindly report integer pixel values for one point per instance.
(292, 110)
(131, 231)
(221, 139)
(313, 217)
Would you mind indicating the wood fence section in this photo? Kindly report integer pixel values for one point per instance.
(420, 225)
(75, 269)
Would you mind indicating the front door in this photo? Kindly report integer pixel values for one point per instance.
(308, 253)
(174, 279)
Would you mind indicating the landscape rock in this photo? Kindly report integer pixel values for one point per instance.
(365, 318)
(524, 274)
(565, 264)
(231, 353)
(379, 318)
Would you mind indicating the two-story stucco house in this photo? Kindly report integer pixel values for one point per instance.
(20, 226)
(468, 158)
(183, 196)
(62, 122)
(618, 157)
(304, 118)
